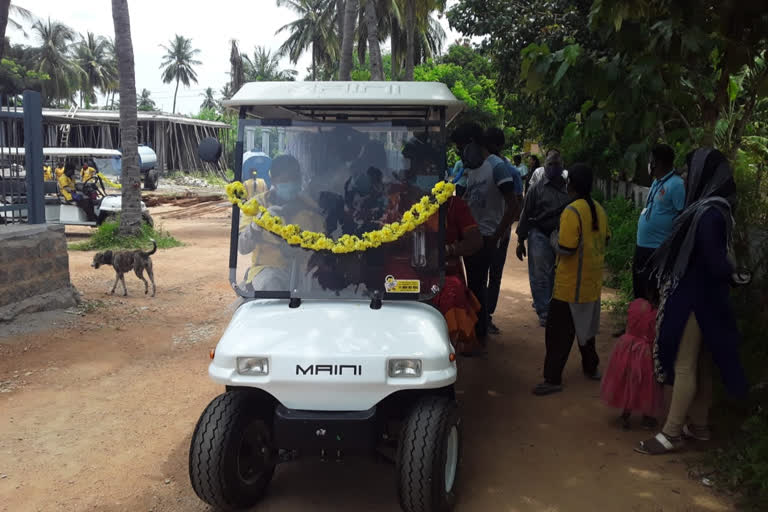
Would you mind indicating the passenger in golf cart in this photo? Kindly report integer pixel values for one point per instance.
(269, 254)
(83, 197)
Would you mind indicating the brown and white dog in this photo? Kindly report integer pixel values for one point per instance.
(125, 261)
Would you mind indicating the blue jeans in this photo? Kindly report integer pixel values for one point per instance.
(541, 271)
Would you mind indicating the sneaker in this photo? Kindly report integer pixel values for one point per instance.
(492, 329)
(545, 388)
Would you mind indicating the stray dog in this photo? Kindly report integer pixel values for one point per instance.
(125, 261)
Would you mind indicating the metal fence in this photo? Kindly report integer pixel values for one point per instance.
(22, 196)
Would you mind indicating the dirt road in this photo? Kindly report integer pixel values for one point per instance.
(97, 410)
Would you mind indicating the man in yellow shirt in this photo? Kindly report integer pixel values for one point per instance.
(272, 258)
(47, 173)
(59, 171)
(87, 172)
(67, 184)
(575, 307)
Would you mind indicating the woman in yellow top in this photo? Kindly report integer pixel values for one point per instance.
(575, 307)
(47, 173)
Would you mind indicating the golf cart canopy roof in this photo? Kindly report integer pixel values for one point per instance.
(345, 100)
(64, 152)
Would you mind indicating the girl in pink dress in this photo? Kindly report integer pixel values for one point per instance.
(629, 382)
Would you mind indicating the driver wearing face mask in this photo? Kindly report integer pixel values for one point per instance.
(271, 257)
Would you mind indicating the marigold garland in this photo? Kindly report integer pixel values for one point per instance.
(109, 182)
(416, 215)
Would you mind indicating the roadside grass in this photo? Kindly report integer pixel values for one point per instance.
(107, 236)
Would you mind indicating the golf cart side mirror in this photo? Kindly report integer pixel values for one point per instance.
(209, 150)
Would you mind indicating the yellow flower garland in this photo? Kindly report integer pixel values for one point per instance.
(416, 215)
(109, 182)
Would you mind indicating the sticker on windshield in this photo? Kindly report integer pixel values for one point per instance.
(392, 285)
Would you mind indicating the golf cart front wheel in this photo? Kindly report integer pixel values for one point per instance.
(231, 458)
(428, 456)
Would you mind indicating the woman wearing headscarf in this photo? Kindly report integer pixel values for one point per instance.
(696, 325)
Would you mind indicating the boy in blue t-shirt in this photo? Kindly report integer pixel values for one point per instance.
(494, 142)
(666, 199)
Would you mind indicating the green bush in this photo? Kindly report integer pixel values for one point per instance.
(622, 221)
(107, 236)
(742, 466)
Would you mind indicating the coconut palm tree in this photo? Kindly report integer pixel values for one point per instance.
(348, 39)
(54, 59)
(113, 84)
(130, 216)
(226, 92)
(314, 29)
(209, 101)
(92, 56)
(237, 71)
(178, 64)
(6, 10)
(265, 67)
(372, 29)
(145, 102)
(427, 35)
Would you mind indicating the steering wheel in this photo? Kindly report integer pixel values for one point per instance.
(98, 183)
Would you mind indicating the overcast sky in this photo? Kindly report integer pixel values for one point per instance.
(154, 22)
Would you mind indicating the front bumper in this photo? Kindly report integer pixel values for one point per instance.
(330, 435)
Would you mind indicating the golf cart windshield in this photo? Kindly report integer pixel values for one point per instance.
(338, 179)
(109, 166)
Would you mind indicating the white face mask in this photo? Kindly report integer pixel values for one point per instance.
(650, 169)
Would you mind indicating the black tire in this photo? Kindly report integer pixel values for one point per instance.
(106, 217)
(146, 217)
(236, 427)
(423, 456)
(151, 181)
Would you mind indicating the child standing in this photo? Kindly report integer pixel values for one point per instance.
(629, 383)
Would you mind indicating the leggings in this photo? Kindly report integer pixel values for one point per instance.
(692, 390)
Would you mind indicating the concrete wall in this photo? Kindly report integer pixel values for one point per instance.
(34, 270)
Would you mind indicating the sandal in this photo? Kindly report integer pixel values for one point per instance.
(659, 445)
(696, 433)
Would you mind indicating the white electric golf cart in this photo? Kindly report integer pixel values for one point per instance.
(106, 203)
(335, 355)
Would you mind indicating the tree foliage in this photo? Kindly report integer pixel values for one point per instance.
(608, 78)
(179, 63)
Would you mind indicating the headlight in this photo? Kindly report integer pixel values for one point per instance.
(407, 368)
(253, 366)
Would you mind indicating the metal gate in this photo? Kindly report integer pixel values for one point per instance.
(22, 196)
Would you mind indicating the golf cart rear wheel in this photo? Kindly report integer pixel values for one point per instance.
(231, 457)
(428, 456)
(150, 182)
